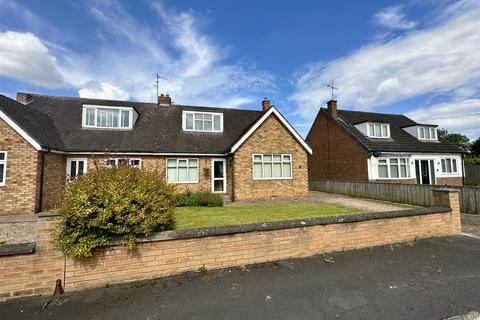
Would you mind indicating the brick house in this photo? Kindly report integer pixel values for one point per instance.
(366, 146)
(45, 141)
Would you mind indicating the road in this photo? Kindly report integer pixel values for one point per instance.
(427, 279)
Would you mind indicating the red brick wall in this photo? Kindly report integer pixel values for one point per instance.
(336, 155)
(19, 195)
(450, 181)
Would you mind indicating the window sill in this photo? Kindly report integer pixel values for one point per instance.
(183, 182)
(266, 179)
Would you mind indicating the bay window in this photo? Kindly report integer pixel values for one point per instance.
(3, 167)
(182, 170)
(272, 166)
(393, 168)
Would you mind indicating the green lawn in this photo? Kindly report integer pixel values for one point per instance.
(197, 217)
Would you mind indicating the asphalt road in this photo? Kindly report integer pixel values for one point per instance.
(428, 279)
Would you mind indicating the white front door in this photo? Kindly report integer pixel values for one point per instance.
(219, 176)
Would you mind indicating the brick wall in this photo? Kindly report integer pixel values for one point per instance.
(396, 181)
(450, 181)
(168, 255)
(19, 195)
(270, 138)
(54, 179)
(336, 155)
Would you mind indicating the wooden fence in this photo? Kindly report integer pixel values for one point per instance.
(420, 195)
(472, 174)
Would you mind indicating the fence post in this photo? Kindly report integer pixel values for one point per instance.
(449, 198)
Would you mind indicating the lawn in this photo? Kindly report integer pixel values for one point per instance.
(197, 217)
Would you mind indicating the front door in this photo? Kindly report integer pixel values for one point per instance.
(425, 171)
(219, 176)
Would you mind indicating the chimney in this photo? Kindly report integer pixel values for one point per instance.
(164, 100)
(332, 107)
(265, 104)
(24, 98)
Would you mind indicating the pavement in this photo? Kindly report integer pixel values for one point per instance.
(436, 278)
(471, 224)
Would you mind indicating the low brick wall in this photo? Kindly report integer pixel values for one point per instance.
(179, 251)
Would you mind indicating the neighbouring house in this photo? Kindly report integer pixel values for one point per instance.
(45, 141)
(367, 146)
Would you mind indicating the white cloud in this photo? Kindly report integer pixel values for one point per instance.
(102, 90)
(24, 57)
(460, 116)
(394, 18)
(128, 52)
(439, 59)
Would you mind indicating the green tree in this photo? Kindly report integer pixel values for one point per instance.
(476, 147)
(458, 139)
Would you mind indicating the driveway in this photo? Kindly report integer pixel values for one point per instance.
(427, 279)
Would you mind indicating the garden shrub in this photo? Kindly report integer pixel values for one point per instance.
(199, 199)
(117, 204)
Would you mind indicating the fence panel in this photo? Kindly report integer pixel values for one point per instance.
(472, 174)
(415, 194)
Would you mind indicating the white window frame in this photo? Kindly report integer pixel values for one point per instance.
(382, 125)
(124, 158)
(4, 162)
(263, 166)
(389, 164)
(451, 159)
(96, 126)
(69, 166)
(188, 167)
(432, 133)
(184, 121)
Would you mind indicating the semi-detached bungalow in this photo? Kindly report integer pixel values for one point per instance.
(45, 141)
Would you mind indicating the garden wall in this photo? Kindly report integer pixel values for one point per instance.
(174, 252)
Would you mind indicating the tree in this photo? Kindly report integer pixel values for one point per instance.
(475, 149)
(458, 139)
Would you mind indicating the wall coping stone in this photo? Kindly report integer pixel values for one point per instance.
(17, 248)
(447, 190)
(276, 225)
(47, 214)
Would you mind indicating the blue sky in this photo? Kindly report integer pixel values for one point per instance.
(415, 57)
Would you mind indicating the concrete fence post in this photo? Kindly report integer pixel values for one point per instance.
(449, 198)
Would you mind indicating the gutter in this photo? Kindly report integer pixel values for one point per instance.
(42, 181)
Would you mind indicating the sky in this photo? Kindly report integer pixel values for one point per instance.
(420, 58)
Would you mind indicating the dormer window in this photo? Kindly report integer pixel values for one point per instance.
(202, 121)
(427, 133)
(107, 117)
(378, 130)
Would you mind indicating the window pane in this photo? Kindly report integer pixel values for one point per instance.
(257, 158)
(110, 162)
(257, 170)
(433, 133)
(189, 121)
(421, 133)
(371, 131)
(382, 161)
(73, 169)
(393, 161)
(267, 158)
(182, 163)
(192, 174)
(403, 171)
(287, 170)
(182, 174)
(81, 167)
(267, 170)
(286, 158)
(449, 165)
(90, 117)
(277, 158)
(2, 156)
(277, 170)
(427, 133)
(207, 117)
(125, 119)
(192, 163)
(382, 171)
(218, 185)
(198, 124)
(216, 122)
(2, 169)
(384, 131)
(444, 167)
(171, 163)
(377, 130)
(172, 175)
(454, 165)
(394, 171)
(208, 125)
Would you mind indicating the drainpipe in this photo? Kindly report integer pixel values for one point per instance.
(463, 169)
(42, 176)
(232, 175)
